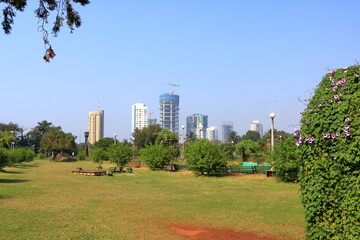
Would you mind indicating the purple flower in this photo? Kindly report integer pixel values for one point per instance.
(356, 75)
(310, 110)
(326, 135)
(347, 119)
(345, 87)
(345, 68)
(332, 84)
(338, 134)
(346, 126)
(335, 157)
(319, 105)
(330, 101)
(345, 71)
(335, 88)
(308, 122)
(347, 133)
(336, 96)
(338, 102)
(296, 132)
(332, 136)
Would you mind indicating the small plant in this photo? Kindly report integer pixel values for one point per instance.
(41, 156)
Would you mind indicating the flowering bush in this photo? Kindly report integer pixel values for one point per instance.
(329, 146)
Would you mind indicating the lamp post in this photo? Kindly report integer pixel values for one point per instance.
(183, 140)
(272, 116)
(86, 135)
(115, 138)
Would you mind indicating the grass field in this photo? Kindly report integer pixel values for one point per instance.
(44, 200)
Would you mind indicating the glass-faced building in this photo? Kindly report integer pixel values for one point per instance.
(197, 123)
(169, 112)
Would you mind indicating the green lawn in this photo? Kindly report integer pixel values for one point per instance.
(44, 200)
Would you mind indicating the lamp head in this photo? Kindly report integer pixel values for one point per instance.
(272, 115)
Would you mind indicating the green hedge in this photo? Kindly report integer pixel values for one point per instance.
(329, 144)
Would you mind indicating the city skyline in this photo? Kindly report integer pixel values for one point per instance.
(235, 61)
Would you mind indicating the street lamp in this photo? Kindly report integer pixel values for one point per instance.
(115, 138)
(183, 140)
(86, 135)
(272, 116)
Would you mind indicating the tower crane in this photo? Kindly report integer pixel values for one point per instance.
(174, 86)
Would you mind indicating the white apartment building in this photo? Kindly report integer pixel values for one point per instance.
(96, 126)
(257, 126)
(212, 133)
(139, 116)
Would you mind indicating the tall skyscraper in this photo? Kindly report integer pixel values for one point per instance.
(139, 116)
(212, 133)
(257, 126)
(227, 128)
(169, 112)
(197, 123)
(96, 126)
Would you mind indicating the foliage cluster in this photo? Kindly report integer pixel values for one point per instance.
(329, 145)
(204, 156)
(57, 141)
(156, 156)
(9, 157)
(287, 161)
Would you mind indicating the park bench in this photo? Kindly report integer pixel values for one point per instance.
(262, 169)
(242, 169)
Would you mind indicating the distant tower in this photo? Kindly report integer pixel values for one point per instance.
(169, 112)
(96, 126)
(227, 128)
(139, 116)
(212, 133)
(197, 123)
(257, 126)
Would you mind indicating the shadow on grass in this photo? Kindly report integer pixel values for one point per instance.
(25, 165)
(13, 180)
(12, 172)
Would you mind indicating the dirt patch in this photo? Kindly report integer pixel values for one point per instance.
(203, 233)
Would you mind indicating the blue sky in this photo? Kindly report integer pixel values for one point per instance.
(235, 60)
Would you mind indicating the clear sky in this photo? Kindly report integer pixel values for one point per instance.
(235, 60)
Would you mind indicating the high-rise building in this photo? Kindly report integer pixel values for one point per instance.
(96, 126)
(257, 126)
(212, 133)
(139, 116)
(169, 112)
(227, 128)
(197, 123)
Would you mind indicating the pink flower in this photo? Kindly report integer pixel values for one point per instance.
(335, 157)
(347, 119)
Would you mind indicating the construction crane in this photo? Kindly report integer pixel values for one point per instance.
(174, 86)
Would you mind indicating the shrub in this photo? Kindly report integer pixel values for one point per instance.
(329, 144)
(4, 160)
(98, 155)
(157, 155)
(19, 155)
(41, 156)
(287, 161)
(81, 155)
(121, 154)
(205, 157)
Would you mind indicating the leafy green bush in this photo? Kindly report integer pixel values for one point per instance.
(287, 161)
(121, 154)
(204, 156)
(81, 155)
(329, 144)
(157, 155)
(98, 155)
(19, 155)
(248, 150)
(41, 156)
(4, 160)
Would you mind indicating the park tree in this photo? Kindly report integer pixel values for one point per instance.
(104, 143)
(251, 135)
(167, 138)
(57, 141)
(121, 153)
(233, 138)
(204, 156)
(35, 135)
(329, 145)
(7, 139)
(279, 136)
(98, 155)
(4, 160)
(157, 156)
(145, 136)
(64, 14)
(228, 150)
(247, 150)
(190, 137)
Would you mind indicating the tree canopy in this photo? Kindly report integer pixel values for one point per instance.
(121, 153)
(251, 135)
(57, 141)
(147, 135)
(65, 13)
